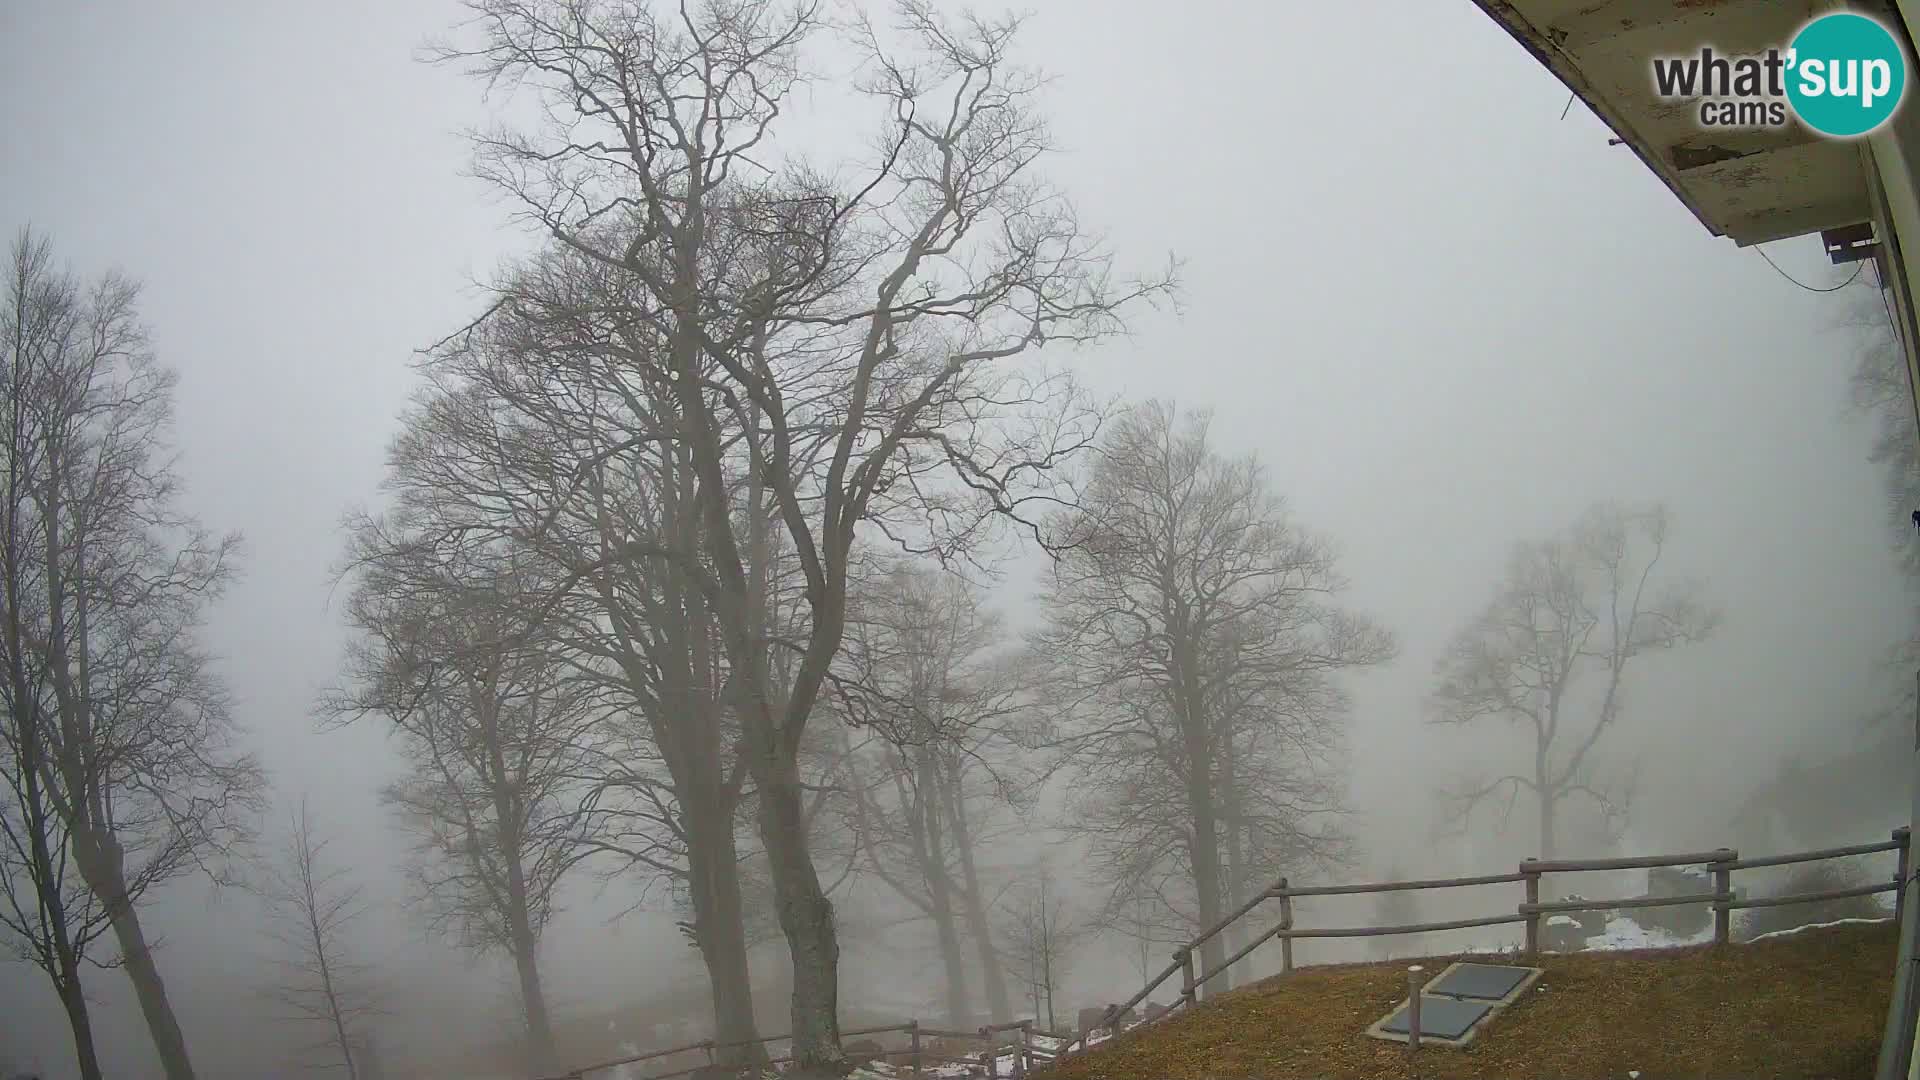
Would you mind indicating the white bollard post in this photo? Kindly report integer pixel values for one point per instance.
(1413, 1007)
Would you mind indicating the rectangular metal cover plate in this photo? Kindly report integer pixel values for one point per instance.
(1485, 982)
(1442, 1018)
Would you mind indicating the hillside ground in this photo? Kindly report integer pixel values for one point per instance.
(1811, 1004)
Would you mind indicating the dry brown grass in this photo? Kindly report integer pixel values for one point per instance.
(1809, 1005)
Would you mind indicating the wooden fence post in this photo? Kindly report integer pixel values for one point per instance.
(1722, 908)
(1286, 923)
(1189, 993)
(913, 1034)
(1904, 853)
(1533, 897)
(1024, 1062)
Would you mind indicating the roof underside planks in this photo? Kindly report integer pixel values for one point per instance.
(1751, 186)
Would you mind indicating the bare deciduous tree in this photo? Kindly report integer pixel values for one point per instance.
(1043, 932)
(117, 720)
(839, 343)
(1192, 652)
(321, 984)
(1550, 653)
(509, 450)
(493, 728)
(921, 672)
(51, 916)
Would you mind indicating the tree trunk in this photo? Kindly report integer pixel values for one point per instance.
(806, 916)
(720, 932)
(533, 998)
(930, 846)
(993, 974)
(1188, 704)
(805, 913)
(690, 727)
(522, 941)
(97, 853)
(1548, 794)
(1046, 950)
(1233, 936)
(341, 1040)
(73, 998)
(1203, 838)
(46, 871)
(955, 963)
(1205, 851)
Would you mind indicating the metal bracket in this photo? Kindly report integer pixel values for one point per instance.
(1850, 243)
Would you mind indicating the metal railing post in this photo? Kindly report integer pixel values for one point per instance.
(1413, 1008)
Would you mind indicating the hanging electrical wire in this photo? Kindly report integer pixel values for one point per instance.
(1836, 288)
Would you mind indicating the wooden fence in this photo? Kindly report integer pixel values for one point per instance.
(927, 1047)
(1531, 911)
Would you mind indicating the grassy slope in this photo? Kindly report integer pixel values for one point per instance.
(1809, 1005)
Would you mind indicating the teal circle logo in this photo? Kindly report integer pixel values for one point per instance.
(1846, 74)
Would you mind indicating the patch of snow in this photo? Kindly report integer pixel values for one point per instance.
(1624, 933)
(1817, 926)
(1563, 920)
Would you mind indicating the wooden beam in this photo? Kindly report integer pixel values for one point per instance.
(1770, 225)
(1735, 25)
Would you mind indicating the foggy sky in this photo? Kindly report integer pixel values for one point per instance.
(1445, 318)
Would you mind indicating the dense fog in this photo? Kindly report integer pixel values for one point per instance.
(1231, 402)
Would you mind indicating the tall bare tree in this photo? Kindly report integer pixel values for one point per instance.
(1192, 649)
(529, 440)
(321, 984)
(1549, 655)
(51, 916)
(924, 671)
(494, 730)
(838, 342)
(117, 719)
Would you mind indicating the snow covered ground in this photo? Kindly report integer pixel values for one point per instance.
(1623, 933)
(1817, 926)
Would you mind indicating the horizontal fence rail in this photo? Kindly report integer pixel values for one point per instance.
(1812, 897)
(1559, 906)
(1562, 866)
(1409, 928)
(1531, 911)
(1396, 886)
(1895, 844)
